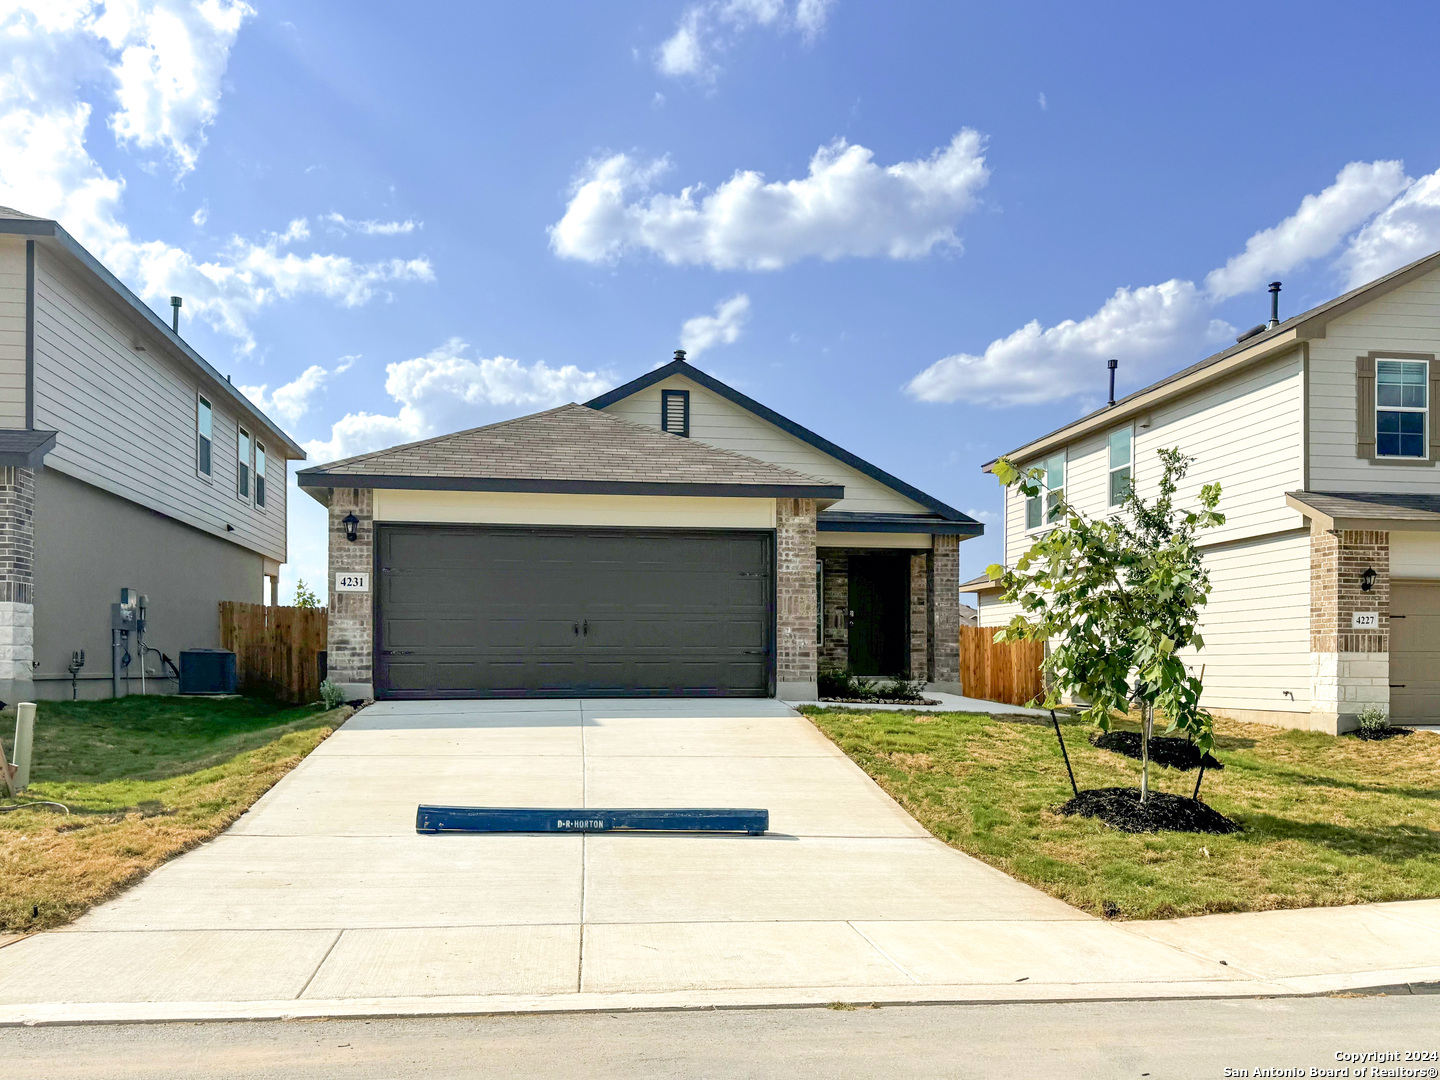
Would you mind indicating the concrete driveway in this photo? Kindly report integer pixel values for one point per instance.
(323, 900)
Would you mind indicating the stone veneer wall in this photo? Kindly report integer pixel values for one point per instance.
(944, 637)
(835, 643)
(17, 581)
(352, 615)
(1349, 668)
(796, 664)
(920, 615)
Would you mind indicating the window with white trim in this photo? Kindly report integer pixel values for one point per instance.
(242, 471)
(1122, 463)
(260, 474)
(1401, 407)
(1054, 491)
(204, 423)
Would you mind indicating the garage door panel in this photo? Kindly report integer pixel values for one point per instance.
(477, 611)
(1415, 652)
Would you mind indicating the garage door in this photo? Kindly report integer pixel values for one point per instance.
(1414, 653)
(513, 612)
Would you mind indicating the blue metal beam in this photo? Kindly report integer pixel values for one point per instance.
(496, 819)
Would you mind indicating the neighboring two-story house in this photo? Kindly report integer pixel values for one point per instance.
(126, 461)
(1322, 432)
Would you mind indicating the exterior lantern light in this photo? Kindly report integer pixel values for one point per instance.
(352, 523)
(1367, 579)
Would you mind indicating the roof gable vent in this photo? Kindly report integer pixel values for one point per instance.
(675, 412)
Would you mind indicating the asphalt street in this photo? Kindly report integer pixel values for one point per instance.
(1146, 1039)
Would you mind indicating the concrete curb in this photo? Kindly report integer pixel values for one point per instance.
(74, 1014)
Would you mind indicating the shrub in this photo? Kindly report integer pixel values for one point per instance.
(332, 695)
(1373, 720)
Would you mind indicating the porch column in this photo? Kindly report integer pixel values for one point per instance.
(352, 614)
(920, 615)
(1349, 667)
(17, 584)
(944, 622)
(795, 614)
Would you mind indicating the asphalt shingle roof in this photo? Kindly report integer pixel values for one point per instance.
(1376, 504)
(572, 443)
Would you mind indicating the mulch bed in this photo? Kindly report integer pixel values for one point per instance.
(1165, 750)
(1120, 809)
(880, 701)
(1376, 734)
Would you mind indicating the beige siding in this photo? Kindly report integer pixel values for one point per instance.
(514, 508)
(1243, 432)
(126, 419)
(12, 331)
(722, 423)
(1405, 320)
(1415, 555)
(1256, 626)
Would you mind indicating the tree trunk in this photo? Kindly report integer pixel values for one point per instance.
(1147, 718)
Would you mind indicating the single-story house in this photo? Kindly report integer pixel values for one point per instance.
(670, 537)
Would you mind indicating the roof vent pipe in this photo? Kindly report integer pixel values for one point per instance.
(175, 314)
(1112, 364)
(1274, 303)
(679, 354)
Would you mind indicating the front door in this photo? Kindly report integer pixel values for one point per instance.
(1414, 653)
(879, 623)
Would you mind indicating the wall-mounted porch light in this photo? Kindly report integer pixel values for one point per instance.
(1367, 579)
(352, 523)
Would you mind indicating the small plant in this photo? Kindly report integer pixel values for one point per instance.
(1372, 722)
(304, 597)
(331, 694)
(903, 689)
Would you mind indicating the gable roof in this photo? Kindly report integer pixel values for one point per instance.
(1367, 510)
(679, 366)
(49, 232)
(574, 450)
(1303, 327)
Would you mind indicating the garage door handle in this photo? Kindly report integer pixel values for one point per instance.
(1397, 686)
(577, 629)
(585, 628)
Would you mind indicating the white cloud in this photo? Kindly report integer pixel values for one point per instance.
(1144, 327)
(163, 100)
(172, 57)
(1042, 102)
(846, 206)
(1360, 190)
(708, 29)
(291, 401)
(1164, 326)
(341, 224)
(446, 390)
(1406, 230)
(201, 214)
(723, 328)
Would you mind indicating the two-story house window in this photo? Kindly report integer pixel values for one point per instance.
(1400, 407)
(1122, 462)
(260, 474)
(1054, 468)
(243, 467)
(203, 427)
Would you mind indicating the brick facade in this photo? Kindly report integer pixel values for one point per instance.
(796, 658)
(944, 638)
(17, 582)
(1349, 667)
(835, 584)
(352, 630)
(920, 615)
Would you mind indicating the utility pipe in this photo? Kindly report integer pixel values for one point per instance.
(24, 742)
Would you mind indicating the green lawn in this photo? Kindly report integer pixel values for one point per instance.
(1327, 820)
(145, 779)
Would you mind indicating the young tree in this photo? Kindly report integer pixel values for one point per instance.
(304, 598)
(1118, 597)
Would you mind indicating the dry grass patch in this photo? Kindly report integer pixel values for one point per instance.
(145, 779)
(1327, 820)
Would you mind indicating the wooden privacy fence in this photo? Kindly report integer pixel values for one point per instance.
(1008, 672)
(277, 649)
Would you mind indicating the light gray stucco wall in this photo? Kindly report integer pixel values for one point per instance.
(88, 545)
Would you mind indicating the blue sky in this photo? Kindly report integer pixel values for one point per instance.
(392, 227)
